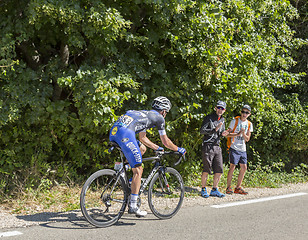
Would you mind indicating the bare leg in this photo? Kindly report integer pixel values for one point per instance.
(241, 174)
(136, 181)
(143, 149)
(204, 179)
(216, 179)
(230, 174)
(135, 186)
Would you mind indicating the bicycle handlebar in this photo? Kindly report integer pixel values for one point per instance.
(180, 159)
(158, 154)
(173, 153)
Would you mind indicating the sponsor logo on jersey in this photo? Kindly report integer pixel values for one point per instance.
(140, 127)
(125, 120)
(134, 150)
(114, 131)
(124, 140)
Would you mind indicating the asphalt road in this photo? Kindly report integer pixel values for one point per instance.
(277, 219)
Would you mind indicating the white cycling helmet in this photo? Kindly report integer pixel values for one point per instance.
(161, 103)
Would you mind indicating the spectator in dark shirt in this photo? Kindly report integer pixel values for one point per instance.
(213, 128)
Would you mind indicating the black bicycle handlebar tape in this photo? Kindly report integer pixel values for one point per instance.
(173, 153)
(180, 159)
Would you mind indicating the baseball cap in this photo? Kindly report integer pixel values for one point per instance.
(247, 107)
(221, 104)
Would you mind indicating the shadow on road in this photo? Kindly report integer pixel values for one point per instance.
(47, 218)
(74, 220)
(192, 190)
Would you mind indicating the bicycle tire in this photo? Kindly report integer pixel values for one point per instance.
(103, 199)
(165, 204)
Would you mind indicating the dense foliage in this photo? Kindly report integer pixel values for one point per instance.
(68, 68)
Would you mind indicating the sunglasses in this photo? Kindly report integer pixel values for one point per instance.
(244, 112)
(221, 108)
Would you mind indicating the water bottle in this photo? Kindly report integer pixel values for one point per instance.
(118, 166)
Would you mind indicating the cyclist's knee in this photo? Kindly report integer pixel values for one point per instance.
(143, 149)
(137, 170)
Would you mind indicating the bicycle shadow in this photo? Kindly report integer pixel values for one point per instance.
(75, 220)
(67, 220)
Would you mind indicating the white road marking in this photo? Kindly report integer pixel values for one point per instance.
(257, 200)
(9, 234)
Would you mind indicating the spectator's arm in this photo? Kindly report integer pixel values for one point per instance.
(247, 135)
(207, 127)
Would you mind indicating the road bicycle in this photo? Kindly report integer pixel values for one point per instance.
(105, 194)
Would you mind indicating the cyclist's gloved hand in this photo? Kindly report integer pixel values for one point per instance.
(181, 150)
(160, 149)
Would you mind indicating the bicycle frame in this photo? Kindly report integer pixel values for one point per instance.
(156, 168)
(148, 179)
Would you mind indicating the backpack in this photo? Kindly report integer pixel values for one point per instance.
(230, 140)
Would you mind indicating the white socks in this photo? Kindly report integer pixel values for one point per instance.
(133, 200)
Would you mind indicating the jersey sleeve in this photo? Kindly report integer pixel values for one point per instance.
(160, 124)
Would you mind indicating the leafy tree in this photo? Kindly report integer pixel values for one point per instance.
(69, 68)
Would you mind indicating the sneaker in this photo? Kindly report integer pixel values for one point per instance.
(137, 211)
(204, 193)
(229, 190)
(216, 193)
(240, 191)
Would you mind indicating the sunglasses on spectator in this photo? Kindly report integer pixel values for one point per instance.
(245, 112)
(221, 108)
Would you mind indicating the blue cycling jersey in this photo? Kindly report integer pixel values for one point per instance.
(125, 128)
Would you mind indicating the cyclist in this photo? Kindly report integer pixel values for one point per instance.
(123, 132)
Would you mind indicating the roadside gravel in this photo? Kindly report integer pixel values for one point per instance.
(8, 220)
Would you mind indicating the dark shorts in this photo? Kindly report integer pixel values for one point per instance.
(212, 159)
(236, 157)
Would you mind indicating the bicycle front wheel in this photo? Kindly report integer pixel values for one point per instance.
(103, 198)
(166, 193)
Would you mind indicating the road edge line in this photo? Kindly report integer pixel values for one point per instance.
(258, 200)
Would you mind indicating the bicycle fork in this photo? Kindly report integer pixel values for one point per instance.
(162, 179)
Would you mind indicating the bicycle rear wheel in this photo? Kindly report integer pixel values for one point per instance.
(103, 198)
(166, 193)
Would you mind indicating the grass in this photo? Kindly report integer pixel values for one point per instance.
(255, 177)
(59, 198)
